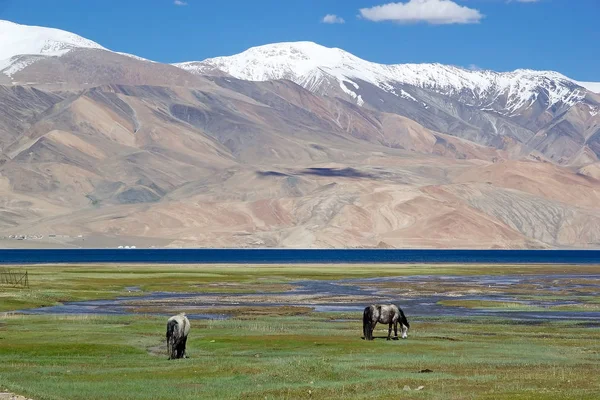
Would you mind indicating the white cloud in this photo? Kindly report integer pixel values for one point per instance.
(180, 3)
(435, 12)
(332, 19)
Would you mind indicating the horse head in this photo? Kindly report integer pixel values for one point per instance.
(404, 332)
(404, 324)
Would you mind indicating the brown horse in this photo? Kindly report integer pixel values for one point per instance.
(385, 314)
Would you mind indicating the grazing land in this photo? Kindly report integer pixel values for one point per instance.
(278, 351)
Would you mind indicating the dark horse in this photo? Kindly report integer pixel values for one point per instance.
(178, 328)
(385, 314)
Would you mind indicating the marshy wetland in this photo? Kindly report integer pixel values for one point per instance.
(294, 331)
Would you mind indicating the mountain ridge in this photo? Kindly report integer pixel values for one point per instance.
(297, 59)
(24, 40)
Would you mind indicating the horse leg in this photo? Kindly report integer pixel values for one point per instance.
(177, 349)
(396, 330)
(184, 347)
(171, 348)
(372, 329)
(181, 348)
(389, 332)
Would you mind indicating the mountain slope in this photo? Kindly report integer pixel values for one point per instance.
(250, 164)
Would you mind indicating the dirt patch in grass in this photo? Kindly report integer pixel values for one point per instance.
(445, 338)
(12, 396)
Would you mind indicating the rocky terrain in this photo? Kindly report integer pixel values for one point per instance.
(100, 148)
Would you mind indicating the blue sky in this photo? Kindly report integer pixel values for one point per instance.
(561, 35)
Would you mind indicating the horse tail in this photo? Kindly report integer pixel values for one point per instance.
(404, 321)
(171, 324)
(367, 323)
(186, 326)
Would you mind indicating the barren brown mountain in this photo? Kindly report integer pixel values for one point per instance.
(100, 149)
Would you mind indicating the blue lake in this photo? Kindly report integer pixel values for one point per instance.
(299, 256)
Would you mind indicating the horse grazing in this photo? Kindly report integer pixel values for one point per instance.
(178, 328)
(385, 314)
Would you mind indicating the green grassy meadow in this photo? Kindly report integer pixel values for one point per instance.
(280, 356)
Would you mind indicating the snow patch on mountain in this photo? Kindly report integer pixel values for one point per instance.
(594, 110)
(17, 64)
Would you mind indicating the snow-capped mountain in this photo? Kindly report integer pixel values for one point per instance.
(528, 110)
(23, 45)
(33, 55)
(314, 66)
(19, 39)
(111, 145)
(542, 111)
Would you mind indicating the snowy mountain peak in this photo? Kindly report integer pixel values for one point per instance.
(314, 67)
(23, 45)
(275, 61)
(34, 40)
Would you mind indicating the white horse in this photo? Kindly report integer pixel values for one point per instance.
(178, 328)
(385, 314)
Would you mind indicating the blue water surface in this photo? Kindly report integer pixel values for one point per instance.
(296, 256)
